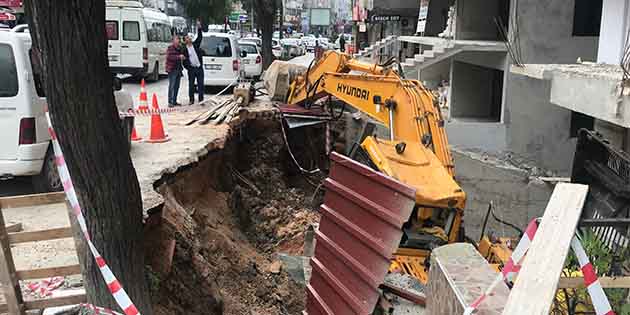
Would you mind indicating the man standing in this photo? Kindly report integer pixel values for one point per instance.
(174, 58)
(193, 64)
(342, 43)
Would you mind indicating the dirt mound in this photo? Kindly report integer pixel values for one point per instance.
(226, 218)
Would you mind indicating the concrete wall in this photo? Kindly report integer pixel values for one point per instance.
(516, 198)
(535, 128)
(471, 91)
(489, 137)
(492, 60)
(545, 29)
(614, 30)
(434, 74)
(475, 19)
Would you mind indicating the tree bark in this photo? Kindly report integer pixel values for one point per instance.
(266, 14)
(70, 36)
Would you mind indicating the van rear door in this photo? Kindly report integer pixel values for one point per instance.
(220, 58)
(132, 43)
(9, 88)
(112, 30)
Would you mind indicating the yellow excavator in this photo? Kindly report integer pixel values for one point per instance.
(416, 153)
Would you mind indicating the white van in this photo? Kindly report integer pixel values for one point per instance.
(178, 24)
(138, 38)
(23, 128)
(221, 61)
(24, 138)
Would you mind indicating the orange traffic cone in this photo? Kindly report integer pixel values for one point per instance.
(134, 134)
(157, 128)
(144, 105)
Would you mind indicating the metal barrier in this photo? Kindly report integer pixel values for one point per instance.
(606, 170)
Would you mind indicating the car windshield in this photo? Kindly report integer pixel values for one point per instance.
(250, 49)
(8, 79)
(215, 46)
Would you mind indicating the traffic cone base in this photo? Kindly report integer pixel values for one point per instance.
(134, 134)
(157, 127)
(165, 139)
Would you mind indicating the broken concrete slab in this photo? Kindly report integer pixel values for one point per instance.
(155, 162)
(458, 276)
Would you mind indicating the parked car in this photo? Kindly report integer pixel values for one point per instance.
(25, 148)
(296, 49)
(309, 41)
(221, 62)
(251, 59)
(138, 38)
(276, 48)
(256, 40)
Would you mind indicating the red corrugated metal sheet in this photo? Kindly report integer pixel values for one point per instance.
(363, 213)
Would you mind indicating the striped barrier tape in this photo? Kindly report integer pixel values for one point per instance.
(114, 286)
(513, 266)
(594, 288)
(147, 112)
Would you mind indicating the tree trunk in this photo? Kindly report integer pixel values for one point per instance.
(70, 36)
(266, 14)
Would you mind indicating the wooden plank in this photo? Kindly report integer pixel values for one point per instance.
(536, 285)
(49, 272)
(8, 277)
(32, 200)
(13, 227)
(606, 282)
(53, 302)
(43, 235)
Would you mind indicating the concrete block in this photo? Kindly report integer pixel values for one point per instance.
(458, 276)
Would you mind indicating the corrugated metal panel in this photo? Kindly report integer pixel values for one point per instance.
(363, 212)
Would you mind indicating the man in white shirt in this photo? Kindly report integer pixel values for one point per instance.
(194, 64)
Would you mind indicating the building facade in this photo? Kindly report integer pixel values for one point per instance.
(465, 55)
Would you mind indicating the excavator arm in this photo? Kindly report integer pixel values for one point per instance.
(416, 152)
(406, 107)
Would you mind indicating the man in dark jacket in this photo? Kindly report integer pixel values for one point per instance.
(194, 64)
(342, 43)
(174, 59)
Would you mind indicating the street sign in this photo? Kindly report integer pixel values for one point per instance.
(384, 18)
(5, 16)
(422, 16)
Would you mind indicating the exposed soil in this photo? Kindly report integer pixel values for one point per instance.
(228, 216)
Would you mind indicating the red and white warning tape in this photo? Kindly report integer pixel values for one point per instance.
(147, 112)
(513, 266)
(45, 287)
(594, 288)
(115, 287)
